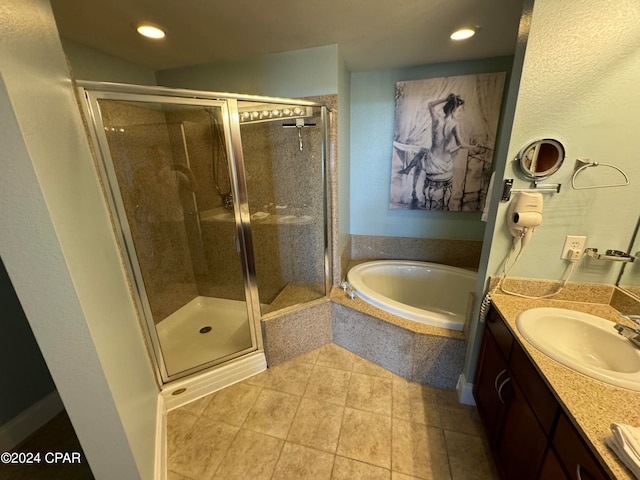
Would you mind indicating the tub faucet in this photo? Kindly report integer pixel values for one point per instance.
(630, 333)
(348, 290)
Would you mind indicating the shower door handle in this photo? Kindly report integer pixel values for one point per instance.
(236, 242)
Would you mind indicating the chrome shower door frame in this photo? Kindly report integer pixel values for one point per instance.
(91, 92)
(125, 239)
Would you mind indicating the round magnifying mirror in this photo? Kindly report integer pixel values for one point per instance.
(541, 159)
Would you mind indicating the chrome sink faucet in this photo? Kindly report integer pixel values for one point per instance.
(630, 333)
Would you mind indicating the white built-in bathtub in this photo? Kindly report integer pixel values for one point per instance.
(429, 293)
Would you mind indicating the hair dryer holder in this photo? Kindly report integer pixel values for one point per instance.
(508, 189)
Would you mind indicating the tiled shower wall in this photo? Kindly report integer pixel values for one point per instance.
(182, 257)
(141, 150)
(457, 253)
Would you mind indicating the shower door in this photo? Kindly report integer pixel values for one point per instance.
(284, 158)
(168, 165)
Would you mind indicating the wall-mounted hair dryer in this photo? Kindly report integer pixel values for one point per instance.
(525, 214)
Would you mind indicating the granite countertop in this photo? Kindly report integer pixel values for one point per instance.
(592, 405)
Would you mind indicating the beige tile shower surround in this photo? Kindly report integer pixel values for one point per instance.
(176, 266)
(327, 414)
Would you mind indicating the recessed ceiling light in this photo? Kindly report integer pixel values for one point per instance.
(150, 31)
(463, 34)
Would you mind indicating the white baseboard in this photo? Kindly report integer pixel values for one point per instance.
(28, 421)
(192, 388)
(465, 391)
(161, 441)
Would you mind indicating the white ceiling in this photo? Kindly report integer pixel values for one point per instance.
(371, 34)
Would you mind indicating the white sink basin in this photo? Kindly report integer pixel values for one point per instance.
(583, 342)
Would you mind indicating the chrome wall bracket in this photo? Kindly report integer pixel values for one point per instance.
(508, 189)
(610, 255)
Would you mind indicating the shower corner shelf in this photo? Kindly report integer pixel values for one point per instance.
(610, 255)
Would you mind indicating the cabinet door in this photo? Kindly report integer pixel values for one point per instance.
(574, 454)
(552, 468)
(521, 446)
(538, 395)
(491, 386)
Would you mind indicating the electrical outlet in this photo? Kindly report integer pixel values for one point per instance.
(573, 243)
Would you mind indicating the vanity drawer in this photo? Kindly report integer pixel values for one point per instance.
(536, 391)
(574, 454)
(500, 332)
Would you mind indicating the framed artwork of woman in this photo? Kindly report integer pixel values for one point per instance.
(443, 142)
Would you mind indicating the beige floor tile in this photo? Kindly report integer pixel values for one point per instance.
(372, 394)
(349, 469)
(402, 476)
(251, 456)
(289, 377)
(415, 403)
(176, 476)
(328, 384)
(469, 457)
(309, 357)
(179, 425)
(202, 450)
(390, 429)
(303, 463)
(258, 379)
(444, 396)
(331, 355)
(272, 413)
(360, 365)
(232, 404)
(197, 406)
(317, 424)
(461, 418)
(366, 437)
(419, 450)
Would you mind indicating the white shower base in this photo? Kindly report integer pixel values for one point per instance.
(184, 347)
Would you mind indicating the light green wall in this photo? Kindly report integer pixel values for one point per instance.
(582, 90)
(298, 73)
(90, 64)
(58, 246)
(372, 117)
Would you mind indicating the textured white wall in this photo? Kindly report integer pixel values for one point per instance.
(579, 85)
(59, 249)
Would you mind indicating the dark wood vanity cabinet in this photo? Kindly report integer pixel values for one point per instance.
(529, 434)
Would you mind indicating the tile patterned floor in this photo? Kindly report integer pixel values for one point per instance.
(328, 414)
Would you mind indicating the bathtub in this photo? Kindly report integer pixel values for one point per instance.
(429, 293)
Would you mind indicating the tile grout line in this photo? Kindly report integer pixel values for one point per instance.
(344, 411)
(285, 440)
(261, 387)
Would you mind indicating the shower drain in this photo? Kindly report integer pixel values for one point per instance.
(206, 329)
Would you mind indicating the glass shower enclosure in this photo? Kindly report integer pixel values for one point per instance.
(220, 207)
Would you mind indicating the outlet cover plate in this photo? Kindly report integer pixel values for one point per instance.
(573, 242)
